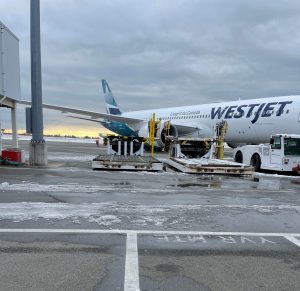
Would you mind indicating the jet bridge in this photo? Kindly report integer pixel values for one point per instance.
(10, 89)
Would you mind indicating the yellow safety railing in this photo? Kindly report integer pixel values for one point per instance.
(152, 129)
(221, 129)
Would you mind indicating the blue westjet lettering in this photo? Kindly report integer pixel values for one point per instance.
(252, 110)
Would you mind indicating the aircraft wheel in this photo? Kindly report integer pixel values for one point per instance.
(256, 162)
(238, 157)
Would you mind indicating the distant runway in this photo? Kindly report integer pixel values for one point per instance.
(67, 227)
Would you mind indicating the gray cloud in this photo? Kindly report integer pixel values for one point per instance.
(161, 53)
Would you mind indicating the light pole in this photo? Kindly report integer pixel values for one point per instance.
(38, 149)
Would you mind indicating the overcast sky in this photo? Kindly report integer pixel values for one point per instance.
(159, 53)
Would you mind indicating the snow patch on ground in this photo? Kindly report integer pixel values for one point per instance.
(56, 211)
(112, 213)
(55, 139)
(32, 187)
(79, 188)
(66, 157)
(70, 157)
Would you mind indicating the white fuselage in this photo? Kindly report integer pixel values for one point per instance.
(249, 121)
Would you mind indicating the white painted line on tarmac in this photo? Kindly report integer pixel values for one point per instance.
(293, 240)
(149, 232)
(131, 280)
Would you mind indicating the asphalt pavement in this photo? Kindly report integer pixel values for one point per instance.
(67, 227)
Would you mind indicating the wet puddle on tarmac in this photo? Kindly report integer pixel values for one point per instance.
(259, 182)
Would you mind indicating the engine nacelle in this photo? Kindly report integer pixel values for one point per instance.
(160, 136)
(173, 131)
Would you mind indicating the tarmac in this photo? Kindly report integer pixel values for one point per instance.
(67, 227)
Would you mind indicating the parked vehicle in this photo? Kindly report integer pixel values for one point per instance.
(281, 154)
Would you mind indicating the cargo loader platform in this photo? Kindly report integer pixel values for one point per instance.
(126, 163)
(203, 156)
(126, 154)
(211, 166)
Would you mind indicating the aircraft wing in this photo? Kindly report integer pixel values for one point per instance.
(182, 129)
(86, 118)
(90, 119)
(93, 115)
(134, 123)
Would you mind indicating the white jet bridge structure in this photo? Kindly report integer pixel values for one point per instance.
(10, 88)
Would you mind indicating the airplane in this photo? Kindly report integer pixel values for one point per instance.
(250, 121)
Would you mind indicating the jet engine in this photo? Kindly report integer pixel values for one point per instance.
(161, 133)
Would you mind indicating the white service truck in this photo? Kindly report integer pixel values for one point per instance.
(281, 154)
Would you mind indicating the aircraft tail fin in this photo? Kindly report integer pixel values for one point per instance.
(110, 102)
